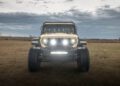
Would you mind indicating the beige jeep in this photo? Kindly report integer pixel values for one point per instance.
(58, 42)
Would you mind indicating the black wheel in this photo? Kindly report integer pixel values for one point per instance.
(83, 60)
(33, 60)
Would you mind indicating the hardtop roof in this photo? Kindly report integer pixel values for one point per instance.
(59, 23)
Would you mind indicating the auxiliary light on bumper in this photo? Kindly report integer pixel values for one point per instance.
(58, 52)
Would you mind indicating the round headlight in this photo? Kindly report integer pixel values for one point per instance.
(73, 41)
(53, 42)
(45, 40)
(65, 42)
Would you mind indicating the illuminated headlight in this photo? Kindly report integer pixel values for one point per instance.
(53, 42)
(45, 40)
(65, 42)
(73, 41)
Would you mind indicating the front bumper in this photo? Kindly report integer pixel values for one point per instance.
(47, 54)
(58, 54)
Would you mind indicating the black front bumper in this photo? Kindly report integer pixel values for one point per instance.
(46, 55)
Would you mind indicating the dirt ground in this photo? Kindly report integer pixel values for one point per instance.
(104, 67)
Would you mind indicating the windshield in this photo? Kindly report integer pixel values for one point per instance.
(70, 29)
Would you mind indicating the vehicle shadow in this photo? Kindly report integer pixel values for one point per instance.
(59, 68)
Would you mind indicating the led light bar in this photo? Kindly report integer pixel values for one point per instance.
(58, 52)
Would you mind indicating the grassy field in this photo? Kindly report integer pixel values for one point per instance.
(104, 67)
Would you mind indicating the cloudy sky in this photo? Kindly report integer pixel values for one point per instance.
(45, 6)
(94, 18)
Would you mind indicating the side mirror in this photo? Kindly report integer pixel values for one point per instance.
(83, 42)
(35, 41)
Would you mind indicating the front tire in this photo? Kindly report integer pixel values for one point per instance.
(33, 60)
(83, 60)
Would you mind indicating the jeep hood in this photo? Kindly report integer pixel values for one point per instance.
(59, 35)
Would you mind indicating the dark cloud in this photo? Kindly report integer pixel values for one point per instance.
(106, 6)
(38, 0)
(69, 0)
(109, 12)
(19, 2)
(105, 25)
(103, 0)
(48, 2)
(79, 14)
(1, 2)
(45, 2)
